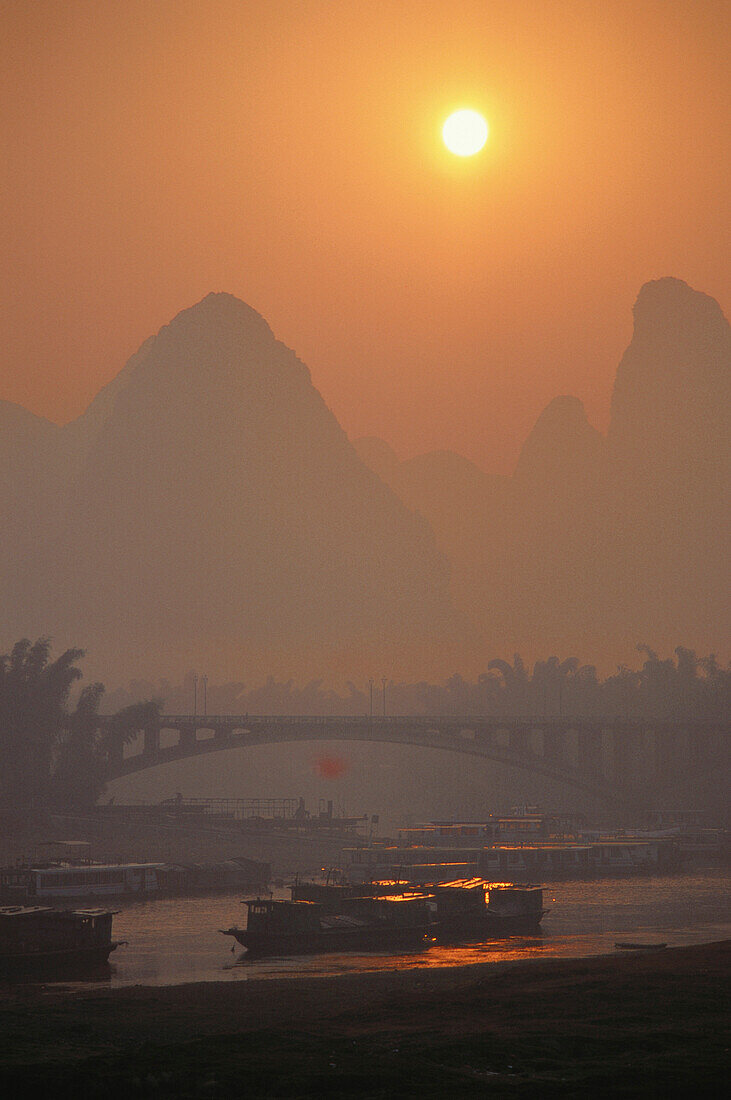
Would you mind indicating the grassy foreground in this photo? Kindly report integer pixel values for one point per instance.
(650, 1025)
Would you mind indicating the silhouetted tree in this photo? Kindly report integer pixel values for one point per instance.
(48, 754)
(78, 774)
(686, 685)
(34, 691)
(515, 684)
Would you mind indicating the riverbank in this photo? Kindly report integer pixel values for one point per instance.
(650, 1025)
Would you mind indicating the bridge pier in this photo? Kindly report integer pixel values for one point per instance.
(187, 737)
(588, 752)
(555, 747)
(669, 756)
(485, 735)
(519, 741)
(591, 757)
(115, 754)
(624, 756)
(151, 740)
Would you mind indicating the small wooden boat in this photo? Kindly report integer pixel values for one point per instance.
(41, 940)
(640, 946)
(303, 927)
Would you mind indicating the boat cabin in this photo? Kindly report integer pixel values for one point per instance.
(273, 916)
(68, 880)
(29, 929)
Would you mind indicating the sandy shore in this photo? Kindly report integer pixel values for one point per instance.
(650, 1025)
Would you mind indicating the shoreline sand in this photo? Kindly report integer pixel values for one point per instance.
(635, 1024)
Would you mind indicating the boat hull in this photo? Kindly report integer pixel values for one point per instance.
(69, 961)
(488, 926)
(335, 940)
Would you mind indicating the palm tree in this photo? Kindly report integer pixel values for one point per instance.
(33, 694)
(515, 683)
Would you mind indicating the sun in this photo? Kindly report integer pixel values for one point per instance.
(465, 132)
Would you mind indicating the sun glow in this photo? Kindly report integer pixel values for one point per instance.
(465, 133)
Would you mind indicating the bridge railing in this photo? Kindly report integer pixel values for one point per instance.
(203, 721)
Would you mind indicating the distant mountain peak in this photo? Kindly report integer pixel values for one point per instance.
(221, 309)
(564, 410)
(669, 310)
(562, 438)
(672, 391)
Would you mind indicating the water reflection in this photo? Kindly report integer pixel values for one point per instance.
(176, 940)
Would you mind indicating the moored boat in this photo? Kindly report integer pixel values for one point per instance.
(464, 909)
(475, 909)
(360, 924)
(40, 940)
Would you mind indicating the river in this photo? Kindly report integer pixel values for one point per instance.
(175, 940)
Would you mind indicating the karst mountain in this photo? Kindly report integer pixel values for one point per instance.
(598, 543)
(208, 498)
(208, 507)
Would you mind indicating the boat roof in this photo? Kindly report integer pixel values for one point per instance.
(94, 867)
(33, 910)
(24, 910)
(474, 883)
(277, 901)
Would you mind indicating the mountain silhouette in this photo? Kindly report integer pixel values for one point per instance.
(595, 543)
(670, 405)
(670, 466)
(212, 502)
(208, 507)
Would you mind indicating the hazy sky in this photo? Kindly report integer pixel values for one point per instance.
(290, 153)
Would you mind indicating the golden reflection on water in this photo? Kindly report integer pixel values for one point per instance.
(176, 940)
(430, 956)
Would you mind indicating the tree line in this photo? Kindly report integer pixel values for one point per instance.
(50, 754)
(682, 686)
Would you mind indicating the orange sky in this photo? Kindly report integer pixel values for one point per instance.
(289, 152)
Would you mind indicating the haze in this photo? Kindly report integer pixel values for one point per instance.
(291, 155)
(364, 502)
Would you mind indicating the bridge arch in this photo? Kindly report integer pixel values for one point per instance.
(572, 751)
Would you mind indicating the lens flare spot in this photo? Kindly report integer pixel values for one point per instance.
(330, 767)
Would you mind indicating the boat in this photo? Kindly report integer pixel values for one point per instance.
(463, 909)
(49, 882)
(57, 880)
(39, 939)
(386, 923)
(640, 946)
(472, 909)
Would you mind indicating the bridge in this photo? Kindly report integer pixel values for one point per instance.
(611, 758)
